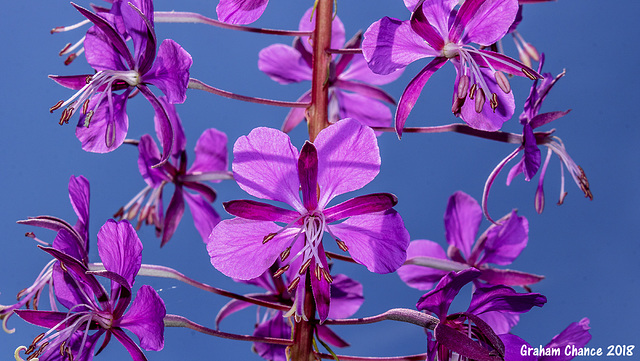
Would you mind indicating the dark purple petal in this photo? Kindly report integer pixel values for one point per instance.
(359, 71)
(137, 16)
(489, 336)
(308, 175)
(500, 322)
(504, 299)
(162, 122)
(512, 346)
(204, 216)
(366, 90)
(546, 118)
(240, 11)
(109, 123)
(148, 156)
(490, 22)
(531, 158)
(421, 25)
(259, 211)
(439, 299)
(422, 278)
(276, 326)
(175, 211)
(204, 190)
(577, 334)
(462, 221)
(413, 90)
(47, 319)
(100, 51)
(508, 277)
(232, 307)
(170, 72)
(283, 64)
(211, 152)
(460, 343)
(361, 205)
(236, 246)
(180, 140)
(145, 319)
(438, 14)
(390, 44)
(127, 342)
(375, 240)
(327, 335)
(75, 82)
(265, 165)
(320, 287)
(346, 297)
(79, 197)
(120, 249)
(348, 158)
(505, 241)
(71, 244)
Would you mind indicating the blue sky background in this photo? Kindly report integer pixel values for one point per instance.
(588, 251)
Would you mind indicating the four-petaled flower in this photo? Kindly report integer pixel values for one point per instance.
(437, 30)
(343, 158)
(103, 120)
(350, 82)
(455, 332)
(91, 307)
(210, 165)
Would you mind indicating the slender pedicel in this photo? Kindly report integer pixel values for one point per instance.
(197, 84)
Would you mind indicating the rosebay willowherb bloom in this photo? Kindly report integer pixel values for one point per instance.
(482, 94)
(210, 164)
(343, 158)
(92, 309)
(564, 346)
(103, 120)
(346, 299)
(240, 11)
(352, 93)
(530, 162)
(500, 244)
(73, 240)
(467, 333)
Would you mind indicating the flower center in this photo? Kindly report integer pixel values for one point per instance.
(451, 50)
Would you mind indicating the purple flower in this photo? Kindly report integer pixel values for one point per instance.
(92, 309)
(343, 158)
(500, 244)
(240, 11)
(73, 240)
(103, 120)
(454, 332)
(346, 300)
(531, 159)
(561, 347)
(437, 30)
(210, 164)
(350, 83)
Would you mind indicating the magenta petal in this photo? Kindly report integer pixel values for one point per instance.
(240, 11)
(236, 246)
(367, 111)
(320, 287)
(348, 158)
(413, 90)
(390, 44)
(505, 241)
(500, 322)
(439, 299)
(79, 197)
(265, 165)
(358, 70)
(438, 14)
(211, 152)
(296, 115)
(108, 126)
(127, 342)
(365, 90)
(421, 25)
(346, 297)
(361, 205)
(462, 221)
(509, 277)
(162, 123)
(47, 319)
(180, 140)
(504, 299)
(120, 249)
(456, 341)
(577, 334)
(546, 118)
(376, 240)
(512, 346)
(490, 22)
(308, 175)
(276, 326)
(175, 211)
(148, 156)
(75, 82)
(422, 278)
(327, 335)
(283, 64)
(259, 211)
(203, 214)
(104, 52)
(170, 71)
(138, 21)
(145, 319)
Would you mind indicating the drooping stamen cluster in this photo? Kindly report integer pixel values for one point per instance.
(104, 83)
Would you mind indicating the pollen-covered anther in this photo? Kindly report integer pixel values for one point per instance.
(502, 81)
(494, 101)
(64, 268)
(35, 341)
(70, 58)
(463, 87)
(280, 271)
(62, 348)
(293, 284)
(327, 276)
(480, 100)
(87, 118)
(64, 50)
(472, 91)
(56, 106)
(268, 237)
(318, 272)
(529, 74)
(88, 79)
(85, 106)
(584, 184)
(285, 254)
(304, 266)
(342, 245)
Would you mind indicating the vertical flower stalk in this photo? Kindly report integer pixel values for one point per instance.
(318, 111)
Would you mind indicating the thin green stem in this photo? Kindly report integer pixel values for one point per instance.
(197, 84)
(179, 321)
(195, 18)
